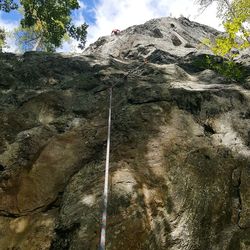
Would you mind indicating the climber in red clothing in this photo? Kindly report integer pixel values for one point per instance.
(115, 32)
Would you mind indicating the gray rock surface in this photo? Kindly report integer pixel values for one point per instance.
(180, 146)
(158, 39)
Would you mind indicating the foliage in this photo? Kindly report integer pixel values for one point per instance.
(223, 45)
(224, 7)
(29, 39)
(2, 39)
(45, 23)
(51, 20)
(234, 15)
(78, 33)
(7, 5)
(231, 70)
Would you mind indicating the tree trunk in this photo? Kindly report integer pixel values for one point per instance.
(37, 44)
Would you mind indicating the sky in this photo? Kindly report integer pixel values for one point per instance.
(103, 16)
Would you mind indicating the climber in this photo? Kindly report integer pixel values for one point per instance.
(115, 32)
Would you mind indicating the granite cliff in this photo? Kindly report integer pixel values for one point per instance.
(180, 145)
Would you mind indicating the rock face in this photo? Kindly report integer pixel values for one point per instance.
(180, 146)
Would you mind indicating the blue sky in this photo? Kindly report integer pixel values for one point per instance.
(87, 11)
(10, 17)
(104, 15)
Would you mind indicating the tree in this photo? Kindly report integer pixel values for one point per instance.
(46, 22)
(7, 5)
(28, 39)
(2, 39)
(223, 6)
(235, 15)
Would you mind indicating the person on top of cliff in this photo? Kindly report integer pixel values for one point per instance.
(115, 32)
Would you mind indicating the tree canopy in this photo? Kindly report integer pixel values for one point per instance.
(7, 5)
(236, 17)
(2, 39)
(46, 22)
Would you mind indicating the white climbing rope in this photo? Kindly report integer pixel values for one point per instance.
(106, 180)
(105, 191)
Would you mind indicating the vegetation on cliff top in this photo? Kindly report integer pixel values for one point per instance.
(45, 23)
(235, 16)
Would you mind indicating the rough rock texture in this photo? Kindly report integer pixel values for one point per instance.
(180, 147)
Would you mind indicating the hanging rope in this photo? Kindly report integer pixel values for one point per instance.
(105, 191)
(106, 180)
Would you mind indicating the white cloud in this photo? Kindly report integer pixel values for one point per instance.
(78, 19)
(110, 14)
(208, 17)
(121, 14)
(9, 27)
